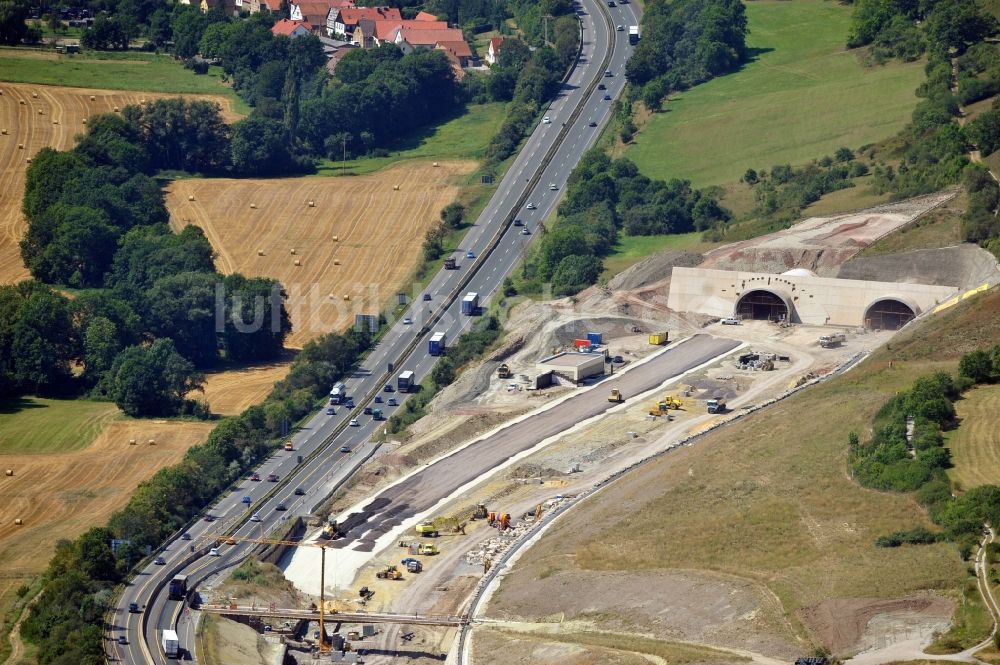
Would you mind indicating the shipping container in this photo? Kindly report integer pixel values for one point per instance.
(595, 338)
(470, 303)
(405, 382)
(437, 344)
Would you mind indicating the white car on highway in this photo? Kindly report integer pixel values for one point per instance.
(255, 517)
(530, 206)
(354, 422)
(547, 120)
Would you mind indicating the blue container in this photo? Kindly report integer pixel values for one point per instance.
(594, 338)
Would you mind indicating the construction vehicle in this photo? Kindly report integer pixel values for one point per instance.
(616, 396)
(830, 341)
(481, 512)
(716, 405)
(503, 521)
(428, 549)
(389, 573)
(659, 339)
(672, 402)
(330, 529)
(427, 528)
(503, 371)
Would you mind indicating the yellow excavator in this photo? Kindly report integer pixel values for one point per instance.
(616, 396)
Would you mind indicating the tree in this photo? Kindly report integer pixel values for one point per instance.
(256, 319)
(43, 342)
(978, 366)
(108, 33)
(183, 308)
(152, 380)
(259, 147)
(443, 373)
(100, 346)
(575, 273)
(13, 14)
(149, 253)
(750, 177)
(985, 131)
(452, 215)
(94, 556)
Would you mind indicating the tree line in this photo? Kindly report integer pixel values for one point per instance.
(604, 196)
(150, 310)
(684, 43)
(67, 619)
(889, 461)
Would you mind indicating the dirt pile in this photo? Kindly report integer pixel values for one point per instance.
(963, 266)
(653, 269)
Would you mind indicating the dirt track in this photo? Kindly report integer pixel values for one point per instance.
(50, 116)
(61, 495)
(378, 229)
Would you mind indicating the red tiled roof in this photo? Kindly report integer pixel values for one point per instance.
(273, 5)
(351, 15)
(419, 37)
(495, 43)
(286, 27)
(424, 16)
(459, 49)
(386, 30)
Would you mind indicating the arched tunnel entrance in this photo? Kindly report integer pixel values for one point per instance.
(762, 305)
(888, 314)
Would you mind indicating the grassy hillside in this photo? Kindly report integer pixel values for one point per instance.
(146, 72)
(801, 96)
(975, 445)
(32, 425)
(768, 500)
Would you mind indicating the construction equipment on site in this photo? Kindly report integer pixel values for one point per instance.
(330, 529)
(427, 528)
(323, 646)
(428, 549)
(616, 396)
(503, 371)
(389, 573)
(481, 512)
(716, 405)
(659, 338)
(502, 521)
(832, 340)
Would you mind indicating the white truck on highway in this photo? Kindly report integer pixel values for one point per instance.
(171, 645)
(337, 393)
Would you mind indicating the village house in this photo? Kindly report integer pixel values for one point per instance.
(267, 6)
(316, 12)
(291, 29)
(347, 19)
(493, 51)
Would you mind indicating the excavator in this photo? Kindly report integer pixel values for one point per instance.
(667, 403)
(481, 512)
(616, 396)
(503, 371)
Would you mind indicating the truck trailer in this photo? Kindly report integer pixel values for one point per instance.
(633, 34)
(178, 587)
(171, 645)
(450, 263)
(405, 381)
(716, 405)
(337, 393)
(470, 303)
(436, 344)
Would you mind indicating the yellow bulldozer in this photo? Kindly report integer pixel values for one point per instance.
(503, 371)
(616, 396)
(666, 404)
(389, 573)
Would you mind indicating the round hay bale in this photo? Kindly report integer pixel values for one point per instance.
(55, 122)
(260, 252)
(297, 262)
(312, 204)
(21, 102)
(190, 197)
(9, 472)
(85, 121)
(142, 101)
(395, 188)
(347, 296)
(18, 521)
(20, 146)
(29, 160)
(435, 164)
(34, 95)
(336, 262)
(253, 206)
(116, 109)
(293, 251)
(152, 442)
(3, 131)
(41, 112)
(93, 98)
(336, 238)
(131, 442)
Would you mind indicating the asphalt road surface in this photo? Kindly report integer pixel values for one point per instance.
(425, 488)
(528, 180)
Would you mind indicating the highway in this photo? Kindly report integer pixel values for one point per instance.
(497, 246)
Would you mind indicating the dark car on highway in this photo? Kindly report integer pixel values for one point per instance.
(299, 491)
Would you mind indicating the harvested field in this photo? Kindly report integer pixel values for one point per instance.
(975, 445)
(362, 238)
(230, 392)
(60, 495)
(26, 127)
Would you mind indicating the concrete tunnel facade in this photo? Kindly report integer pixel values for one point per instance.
(802, 297)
